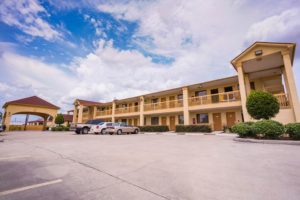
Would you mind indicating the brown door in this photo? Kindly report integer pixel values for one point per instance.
(163, 102)
(164, 121)
(172, 102)
(230, 117)
(172, 123)
(214, 95)
(135, 122)
(217, 121)
(130, 121)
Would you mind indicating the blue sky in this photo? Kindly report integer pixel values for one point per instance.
(100, 50)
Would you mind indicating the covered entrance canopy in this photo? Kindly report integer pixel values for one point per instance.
(30, 106)
(271, 63)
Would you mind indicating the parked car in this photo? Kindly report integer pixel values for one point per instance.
(119, 128)
(100, 128)
(84, 128)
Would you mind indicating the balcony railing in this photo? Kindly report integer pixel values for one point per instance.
(283, 100)
(215, 98)
(85, 115)
(103, 112)
(130, 109)
(163, 105)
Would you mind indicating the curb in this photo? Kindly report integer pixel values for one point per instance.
(287, 142)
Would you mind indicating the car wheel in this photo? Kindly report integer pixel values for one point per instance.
(136, 131)
(103, 131)
(119, 132)
(85, 131)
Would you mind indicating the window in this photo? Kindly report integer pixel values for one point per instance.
(154, 120)
(180, 96)
(145, 121)
(201, 93)
(252, 85)
(228, 89)
(154, 100)
(202, 118)
(180, 119)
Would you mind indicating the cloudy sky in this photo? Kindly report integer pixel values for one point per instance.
(100, 49)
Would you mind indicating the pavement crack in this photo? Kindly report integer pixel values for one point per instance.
(99, 170)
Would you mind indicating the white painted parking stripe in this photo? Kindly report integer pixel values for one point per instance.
(29, 187)
(13, 157)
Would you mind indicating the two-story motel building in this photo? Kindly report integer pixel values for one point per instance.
(218, 103)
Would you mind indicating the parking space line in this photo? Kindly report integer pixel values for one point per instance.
(13, 157)
(29, 187)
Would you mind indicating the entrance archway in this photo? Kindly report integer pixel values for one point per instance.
(30, 106)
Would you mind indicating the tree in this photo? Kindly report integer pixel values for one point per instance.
(262, 105)
(59, 119)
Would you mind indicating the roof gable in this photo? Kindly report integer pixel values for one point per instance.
(270, 46)
(32, 101)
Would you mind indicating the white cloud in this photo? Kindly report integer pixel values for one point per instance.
(25, 15)
(276, 27)
(202, 37)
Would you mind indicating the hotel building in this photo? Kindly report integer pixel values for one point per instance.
(262, 67)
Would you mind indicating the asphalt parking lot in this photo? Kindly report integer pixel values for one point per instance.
(63, 165)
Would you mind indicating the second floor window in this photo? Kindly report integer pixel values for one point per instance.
(200, 93)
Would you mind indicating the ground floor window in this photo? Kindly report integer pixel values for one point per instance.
(154, 120)
(202, 118)
(180, 119)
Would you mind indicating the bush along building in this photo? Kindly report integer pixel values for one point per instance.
(218, 103)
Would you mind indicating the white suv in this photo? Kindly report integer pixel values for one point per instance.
(100, 128)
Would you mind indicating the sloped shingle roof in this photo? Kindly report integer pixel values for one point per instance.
(32, 101)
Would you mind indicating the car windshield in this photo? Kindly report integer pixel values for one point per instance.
(101, 123)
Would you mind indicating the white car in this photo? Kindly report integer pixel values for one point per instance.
(100, 128)
(119, 128)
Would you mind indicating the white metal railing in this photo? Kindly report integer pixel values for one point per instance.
(215, 98)
(163, 105)
(129, 109)
(103, 112)
(283, 100)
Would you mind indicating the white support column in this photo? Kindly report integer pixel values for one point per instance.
(247, 84)
(94, 112)
(80, 113)
(186, 114)
(291, 85)
(7, 119)
(243, 92)
(141, 111)
(113, 111)
(74, 114)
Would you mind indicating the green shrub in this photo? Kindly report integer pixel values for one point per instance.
(193, 128)
(60, 128)
(59, 119)
(268, 129)
(262, 105)
(243, 129)
(154, 128)
(293, 129)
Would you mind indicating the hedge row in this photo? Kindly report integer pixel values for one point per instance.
(267, 129)
(193, 128)
(154, 128)
(60, 128)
